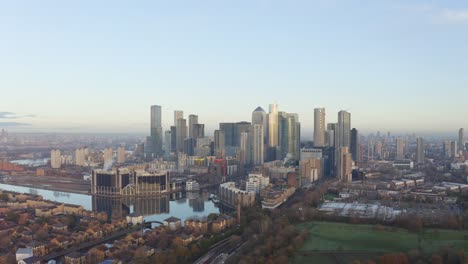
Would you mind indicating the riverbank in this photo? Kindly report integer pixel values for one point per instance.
(68, 185)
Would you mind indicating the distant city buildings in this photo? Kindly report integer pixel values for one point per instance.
(156, 131)
(420, 150)
(461, 139)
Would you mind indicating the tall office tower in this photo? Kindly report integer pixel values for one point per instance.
(344, 165)
(55, 159)
(447, 149)
(120, 155)
(355, 145)
(319, 127)
(80, 157)
(257, 138)
(173, 138)
(178, 114)
(453, 149)
(400, 148)
(156, 130)
(181, 130)
(331, 131)
(289, 135)
(420, 150)
(461, 139)
(273, 126)
(378, 149)
(220, 143)
(167, 142)
(107, 156)
(189, 146)
(193, 120)
(228, 129)
(239, 128)
(344, 129)
(198, 131)
(245, 149)
(370, 149)
(259, 117)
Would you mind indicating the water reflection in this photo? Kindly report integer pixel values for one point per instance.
(123, 206)
(61, 194)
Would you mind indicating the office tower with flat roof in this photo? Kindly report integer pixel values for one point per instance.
(420, 150)
(167, 142)
(229, 131)
(257, 137)
(120, 155)
(400, 149)
(193, 120)
(461, 139)
(245, 149)
(447, 149)
(331, 131)
(289, 135)
(319, 127)
(344, 129)
(198, 131)
(156, 130)
(219, 143)
(55, 159)
(453, 149)
(173, 138)
(178, 114)
(355, 145)
(344, 165)
(239, 128)
(273, 126)
(181, 130)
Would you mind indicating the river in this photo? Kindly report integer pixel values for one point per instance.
(183, 205)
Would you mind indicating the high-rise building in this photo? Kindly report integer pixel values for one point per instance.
(447, 149)
(156, 130)
(55, 159)
(453, 148)
(178, 114)
(181, 130)
(239, 128)
(319, 127)
(220, 144)
(229, 131)
(80, 156)
(257, 137)
(198, 131)
(107, 157)
(259, 117)
(120, 155)
(289, 135)
(173, 138)
(193, 120)
(344, 165)
(167, 142)
(378, 149)
(331, 131)
(245, 149)
(461, 139)
(355, 145)
(420, 150)
(344, 130)
(273, 126)
(400, 149)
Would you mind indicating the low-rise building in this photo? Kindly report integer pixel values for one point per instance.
(173, 223)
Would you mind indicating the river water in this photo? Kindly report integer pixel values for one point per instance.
(183, 205)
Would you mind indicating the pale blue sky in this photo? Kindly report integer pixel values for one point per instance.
(97, 66)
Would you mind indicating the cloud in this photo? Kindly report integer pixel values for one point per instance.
(13, 124)
(454, 16)
(11, 115)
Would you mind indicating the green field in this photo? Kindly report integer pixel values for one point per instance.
(367, 241)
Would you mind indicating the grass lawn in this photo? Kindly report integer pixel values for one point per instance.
(328, 236)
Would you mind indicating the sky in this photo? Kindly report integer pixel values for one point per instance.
(97, 66)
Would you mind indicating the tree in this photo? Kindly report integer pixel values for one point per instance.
(12, 216)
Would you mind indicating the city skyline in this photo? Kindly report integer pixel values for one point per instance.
(73, 78)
